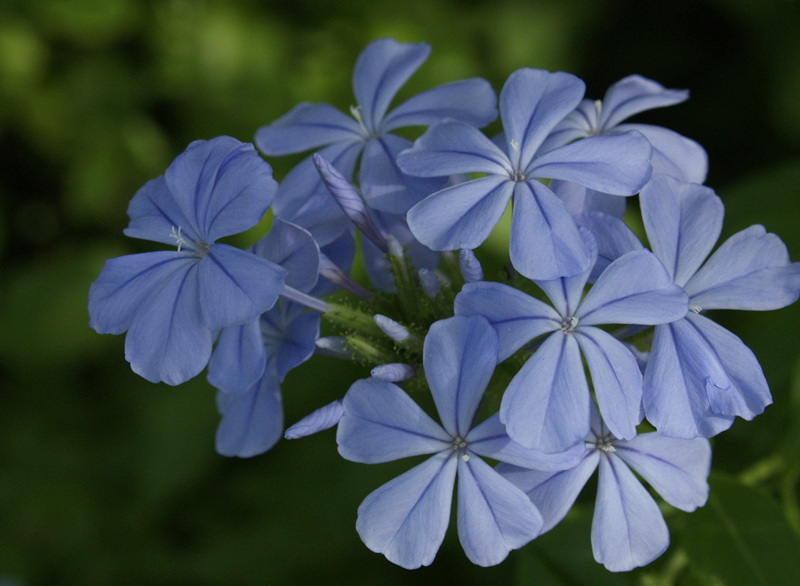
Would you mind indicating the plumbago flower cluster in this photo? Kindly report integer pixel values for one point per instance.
(435, 331)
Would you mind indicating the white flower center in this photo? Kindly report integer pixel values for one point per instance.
(179, 239)
(604, 445)
(568, 324)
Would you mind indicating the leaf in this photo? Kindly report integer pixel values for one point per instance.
(742, 537)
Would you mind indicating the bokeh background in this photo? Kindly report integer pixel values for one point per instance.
(108, 479)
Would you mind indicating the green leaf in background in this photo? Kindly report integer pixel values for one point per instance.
(742, 537)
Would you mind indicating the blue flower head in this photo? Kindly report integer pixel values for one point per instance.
(628, 529)
(381, 70)
(406, 519)
(172, 302)
(547, 404)
(545, 243)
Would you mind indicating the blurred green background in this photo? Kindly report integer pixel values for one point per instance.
(107, 479)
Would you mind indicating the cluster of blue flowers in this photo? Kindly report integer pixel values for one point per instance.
(432, 323)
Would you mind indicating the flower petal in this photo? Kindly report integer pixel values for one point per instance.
(613, 236)
(674, 387)
(155, 215)
(579, 123)
(222, 186)
(306, 126)
(677, 468)
(566, 292)
(748, 394)
(251, 422)
(618, 164)
(683, 221)
(290, 333)
(517, 318)
(553, 493)
(384, 186)
(751, 270)
(673, 154)
(459, 356)
(634, 94)
(579, 199)
(532, 102)
(239, 359)
(126, 283)
(168, 340)
(489, 439)
(469, 100)
(406, 518)
(494, 516)
(382, 423)
(294, 249)
(236, 286)
(545, 242)
(546, 405)
(628, 530)
(634, 289)
(382, 68)
(452, 147)
(616, 379)
(461, 216)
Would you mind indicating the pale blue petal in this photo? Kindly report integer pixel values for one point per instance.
(304, 200)
(494, 516)
(673, 154)
(676, 468)
(341, 252)
(320, 420)
(380, 71)
(239, 359)
(155, 215)
(236, 286)
(168, 340)
(546, 405)
(252, 422)
(384, 186)
(306, 126)
(453, 147)
(618, 164)
(674, 387)
(516, 317)
(532, 102)
(459, 356)
(683, 222)
(298, 338)
(126, 283)
(616, 379)
(614, 238)
(394, 372)
(566, 292)
(469, 100)
(406, 518)
(294, 249)
(751, 270)
(634, 289)
(579, 123)
(634, 94)
(545, 242)
(553, 493)
(748, 394)
(489, 439)
(382, 423)
(628, 530)
(391, 328)
(461, 216)
(470, 266)
(579, 199)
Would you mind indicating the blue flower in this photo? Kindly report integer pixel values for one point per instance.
(251, 360)
(172, 302)
(700, 375)
(381, 70)
(546, 406)
(545, 243)
(673, 154)
(628, 529)
(406, 519)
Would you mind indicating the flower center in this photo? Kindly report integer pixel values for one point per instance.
(604, 445)
(695, 308)
(179, 239)
(568, 324)
(460, 446)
